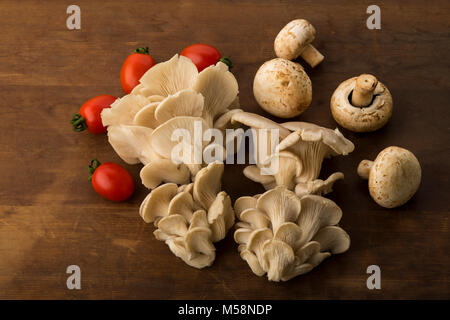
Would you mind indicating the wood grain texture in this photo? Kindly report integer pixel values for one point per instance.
(50, 217)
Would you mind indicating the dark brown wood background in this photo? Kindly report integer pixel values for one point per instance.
(50, 217)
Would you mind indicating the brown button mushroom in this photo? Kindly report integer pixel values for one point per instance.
(361, 104)
(282, 88)
(295, 40)
(394, 176)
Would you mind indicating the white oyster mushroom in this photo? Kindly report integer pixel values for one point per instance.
(163, 142)
(146, 116)
(312, 143)
(183, 103)
(169, 77)
(123, 110)
(132, 143)
(164, 170)
(156, 204)
(191, 217)
(220, 216)
(224, 121)
(219, 88)
(299, 234)
(207, 184)
(299, 154)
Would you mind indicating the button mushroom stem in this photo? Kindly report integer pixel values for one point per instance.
(363, 93)
(311, 55)
(364, 168)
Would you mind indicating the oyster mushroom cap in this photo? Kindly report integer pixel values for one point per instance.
(199, 219)
(243, 203)
(281, 205)
(132, 143)
(164, 170)
(317, 212)
(198, 260)
(255, 218)
(312, 144)
(199, 240)
(156, 204)
(175, 225)
(146, 116)
(224, 121)
(219, 88)
(253, 262)
(282, 88)
(169, 77)
(220, 216)
(256, 242)
(279, 256)
(186, 102)
(289, 233)
(308, 250)
(182, 204)
(256, 121)
(123, 110)
(208, 183)
(254, 173)
(333, 239)
(163, 143)
(242, 235)
(394, 176)
(311, 133)
(361, 119)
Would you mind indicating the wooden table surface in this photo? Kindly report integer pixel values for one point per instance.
(51, 218)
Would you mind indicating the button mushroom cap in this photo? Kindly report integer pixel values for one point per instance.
(361, 104)
(394, 176)
(282, 88)
(295, 39)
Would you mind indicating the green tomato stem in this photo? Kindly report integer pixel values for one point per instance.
(92, 167)
(78, 123)
(143, 50)
(227, 61)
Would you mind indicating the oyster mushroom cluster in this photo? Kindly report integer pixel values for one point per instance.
(283, 236)
(301, 149)
(190, 218)
(171, 95)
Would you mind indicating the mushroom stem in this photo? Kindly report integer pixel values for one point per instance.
(363, 93)
(364, 168)
(312, 55)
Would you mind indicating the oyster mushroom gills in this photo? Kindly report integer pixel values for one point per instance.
(190, 219)
(295, 40)
(361, 104)
(284, 236)
(299, 153)
(394, 176)
(282, 88)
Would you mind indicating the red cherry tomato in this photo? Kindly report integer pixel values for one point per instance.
(204, 55)
(89, 114)
(134, 66)
(111, 181)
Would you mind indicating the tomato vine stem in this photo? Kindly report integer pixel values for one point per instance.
(78, 123)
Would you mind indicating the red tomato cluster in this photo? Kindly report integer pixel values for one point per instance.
(110, 180)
